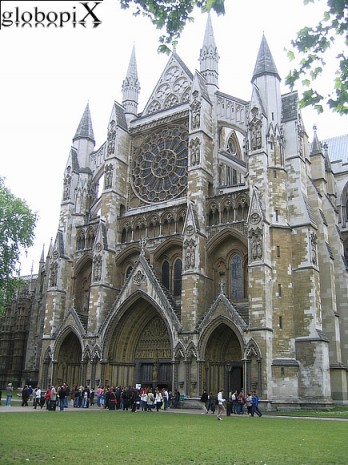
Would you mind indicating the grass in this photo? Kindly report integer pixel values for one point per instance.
(111, 437)
(333, 412)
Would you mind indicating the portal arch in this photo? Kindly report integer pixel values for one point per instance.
(139, 349)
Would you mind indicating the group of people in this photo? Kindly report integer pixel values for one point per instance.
(130, 398)
(237, 403)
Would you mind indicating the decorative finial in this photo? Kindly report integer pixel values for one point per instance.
(222, 287)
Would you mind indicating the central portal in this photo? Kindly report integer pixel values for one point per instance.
(140, 351)
(153, 356)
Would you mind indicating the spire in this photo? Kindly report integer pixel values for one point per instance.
(209, 56)
(85, 129)
(42, 259)
(131, 87)
(264, 62)
(316, 145)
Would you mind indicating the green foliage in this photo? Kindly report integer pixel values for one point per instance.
(17, 224)
(312, 45)
(171, 15)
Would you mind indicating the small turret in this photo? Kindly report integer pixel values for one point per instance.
(131, 88)
(266, 85)
(83, 140)
(209, 56)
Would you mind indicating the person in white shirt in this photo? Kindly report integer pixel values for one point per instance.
(220, 404)
(37, 397)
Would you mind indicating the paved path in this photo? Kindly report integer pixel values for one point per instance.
(17, 408)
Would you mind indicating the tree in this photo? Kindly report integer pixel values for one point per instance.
(17, 223)
(313, 43)
(171, 15)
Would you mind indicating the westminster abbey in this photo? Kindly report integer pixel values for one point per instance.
(202, 246)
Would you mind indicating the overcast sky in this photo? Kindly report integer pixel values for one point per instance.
(48, 75)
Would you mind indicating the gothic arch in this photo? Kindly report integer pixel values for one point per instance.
(212, 325)
(87, 353)
(252, 350)
(191, 352)
(221, 349)
(119, 315)
(173, 243)
(68, 356)
(179, 351)
(225, 235)
(253, 360)
(61, 338)
(139, 344)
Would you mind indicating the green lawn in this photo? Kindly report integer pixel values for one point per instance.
(110, 437)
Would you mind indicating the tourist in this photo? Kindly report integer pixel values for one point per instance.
(9, 391)
(220, 404)
(150, 400)
(158, 400)
(204, 400)
(37, 397)
(255, 405)
(53, 401)
(25, 396)
(248, 404)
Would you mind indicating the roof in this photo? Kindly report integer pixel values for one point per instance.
(337, 148)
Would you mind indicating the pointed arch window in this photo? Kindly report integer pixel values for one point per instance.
(165, 274)
(237, 277)
(177, 277)
(128, 272)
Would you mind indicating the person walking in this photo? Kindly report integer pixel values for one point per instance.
(220, 404)
(158, 400)
(37, 397)
(255, 405)
(62, 396)
(150, 400)
(248, 400)
(204, 400)
(53, 400)
(9, 392)
(25, 396)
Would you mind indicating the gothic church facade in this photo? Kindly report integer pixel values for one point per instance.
(200, 246)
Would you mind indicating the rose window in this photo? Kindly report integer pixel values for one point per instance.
(159, 169)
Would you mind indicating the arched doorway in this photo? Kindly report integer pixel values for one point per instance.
(140, 349)
(223, 361)
(68, 365)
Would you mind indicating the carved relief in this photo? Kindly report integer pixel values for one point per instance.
(139, 278)
(255, 127)
(67, 184)
(154, 342)
(111, 138)
(190, 248)
(255, 236)
(195, 111)
(97, 267)
(108, 176)
(53, 274)
(195, 151)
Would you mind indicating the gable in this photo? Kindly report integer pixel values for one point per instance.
(173, 87)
